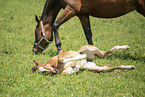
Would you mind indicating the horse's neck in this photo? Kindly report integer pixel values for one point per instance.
(50, 11)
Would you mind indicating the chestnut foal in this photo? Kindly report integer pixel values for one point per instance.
(71, 61)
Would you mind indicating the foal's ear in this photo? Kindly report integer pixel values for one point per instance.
(37, 19)
(36, 62)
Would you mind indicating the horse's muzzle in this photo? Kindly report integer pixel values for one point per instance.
(36, 51)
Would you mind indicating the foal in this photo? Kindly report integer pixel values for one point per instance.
(71, 61)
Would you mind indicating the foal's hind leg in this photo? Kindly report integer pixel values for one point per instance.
(93, 67)
(103, 54)
(66, 15)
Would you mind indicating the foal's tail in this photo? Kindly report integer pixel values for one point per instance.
(35, 67)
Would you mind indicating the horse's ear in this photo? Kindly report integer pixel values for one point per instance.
(37, 19)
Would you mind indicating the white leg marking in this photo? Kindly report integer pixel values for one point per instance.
(124, 47)
(127, 67)
(43, 69)
(83, 56)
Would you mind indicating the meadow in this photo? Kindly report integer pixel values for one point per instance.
(17, 25)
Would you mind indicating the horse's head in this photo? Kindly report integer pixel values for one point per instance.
(43, 36)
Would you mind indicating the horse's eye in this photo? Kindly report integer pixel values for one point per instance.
(35, 33)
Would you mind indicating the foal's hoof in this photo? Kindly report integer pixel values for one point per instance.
(127, 47)
(131, 67)
(127, 67)
(60, 51)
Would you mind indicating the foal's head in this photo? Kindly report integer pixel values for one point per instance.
(43, 36)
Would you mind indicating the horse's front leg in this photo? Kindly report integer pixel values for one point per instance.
(87, 28)
(57, 39)
(65, 16)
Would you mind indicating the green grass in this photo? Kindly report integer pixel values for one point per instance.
(17, 26)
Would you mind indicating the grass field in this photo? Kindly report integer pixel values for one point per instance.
(17, 26)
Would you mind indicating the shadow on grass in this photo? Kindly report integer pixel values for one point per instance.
(126, 56)
(45, 73)
(51, 53)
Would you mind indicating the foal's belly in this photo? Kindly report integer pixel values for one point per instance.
(106, 8)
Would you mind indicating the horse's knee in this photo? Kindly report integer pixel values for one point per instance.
(55, 26)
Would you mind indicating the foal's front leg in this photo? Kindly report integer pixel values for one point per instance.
(57, 39)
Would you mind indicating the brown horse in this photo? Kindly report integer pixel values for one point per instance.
(82, 9)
